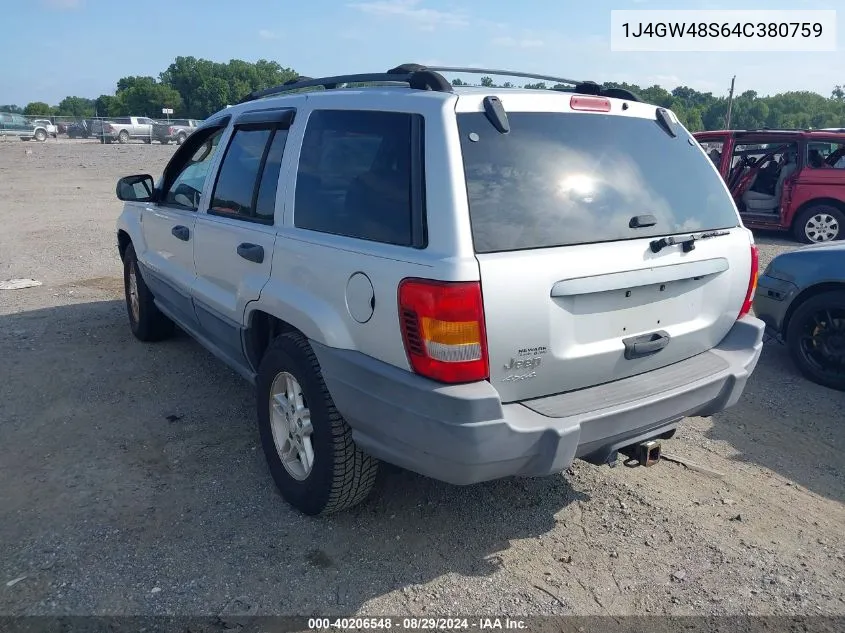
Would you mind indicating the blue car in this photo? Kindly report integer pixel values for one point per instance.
(801, 298)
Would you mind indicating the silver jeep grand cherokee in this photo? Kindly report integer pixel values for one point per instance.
(470, 283)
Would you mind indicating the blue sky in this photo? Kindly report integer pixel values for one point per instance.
(54, 48)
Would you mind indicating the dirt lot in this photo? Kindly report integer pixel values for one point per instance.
(131, 480)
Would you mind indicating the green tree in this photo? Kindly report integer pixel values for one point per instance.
(76, 107)
(146, 96)
(206, 86)
(658, 96)
(37, 108)
(108, 105)
(487, 82)
(11, 109)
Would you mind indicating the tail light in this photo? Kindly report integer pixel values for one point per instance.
(590, 104)
(171, 130)
(108, 128)
(752, 283)
(443, 329)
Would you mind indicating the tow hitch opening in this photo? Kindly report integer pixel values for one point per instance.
(644, 453)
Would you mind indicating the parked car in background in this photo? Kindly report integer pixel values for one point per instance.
(787, 180)
(79, 129)
(47, 124)
(19, 125)
(176, 130)
(123, 129)
(801, 298)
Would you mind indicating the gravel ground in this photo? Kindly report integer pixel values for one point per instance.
(131, 480)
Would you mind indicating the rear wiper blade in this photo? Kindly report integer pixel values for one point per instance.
(687, 243)
(666, 122)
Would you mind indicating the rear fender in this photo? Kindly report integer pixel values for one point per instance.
(306, 312)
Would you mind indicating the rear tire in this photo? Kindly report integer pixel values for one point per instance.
(819, 223)
(818, 325)
(123, 137)
(340, 474)
(180, 139)
(40, 136)
(146, 321)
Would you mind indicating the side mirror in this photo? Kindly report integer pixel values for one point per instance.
(137, 188)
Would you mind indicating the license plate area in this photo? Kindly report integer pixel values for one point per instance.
(622, 313)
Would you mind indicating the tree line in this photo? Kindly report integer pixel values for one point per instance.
(195, 88)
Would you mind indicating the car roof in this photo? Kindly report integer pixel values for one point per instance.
(467, 98)
(418, 82)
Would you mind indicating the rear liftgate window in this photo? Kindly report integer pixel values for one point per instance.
(564, 179)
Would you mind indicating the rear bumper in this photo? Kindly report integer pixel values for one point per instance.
(463, 434)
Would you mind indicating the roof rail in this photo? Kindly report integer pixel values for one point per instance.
(422, 77)
(505, 73)
(582, 87)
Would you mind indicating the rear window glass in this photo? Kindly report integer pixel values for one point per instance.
(563, 179)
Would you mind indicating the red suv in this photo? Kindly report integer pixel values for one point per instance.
(790, 180)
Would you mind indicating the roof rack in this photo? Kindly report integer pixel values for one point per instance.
(777, 129)
(411, 75)
(422, 77)
(506, 73)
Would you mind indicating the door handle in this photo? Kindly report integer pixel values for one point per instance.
(251, 252)
(181, 232)
(639, 346)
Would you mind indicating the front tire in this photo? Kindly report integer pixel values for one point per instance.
(816, 339)
(146, 321)
(314, 462)
(819, 223)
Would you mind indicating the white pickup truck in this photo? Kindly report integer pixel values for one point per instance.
(122, 129)
(47, 125)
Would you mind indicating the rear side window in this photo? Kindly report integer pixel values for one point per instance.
(249, 175)
(360, 175)
(564, 179)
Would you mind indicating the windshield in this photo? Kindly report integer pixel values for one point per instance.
(562, 179)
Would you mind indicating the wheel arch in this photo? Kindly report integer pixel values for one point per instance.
(123, 242)
(839, 204)
(807, 294)
(302, 313)
(261, 329)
